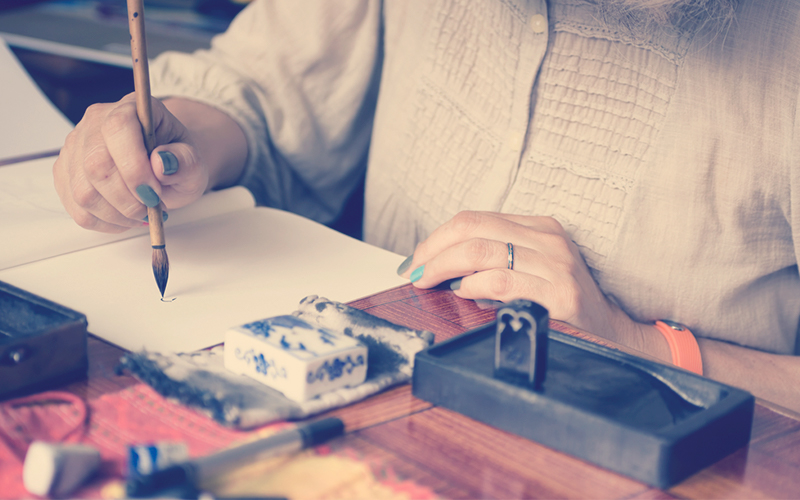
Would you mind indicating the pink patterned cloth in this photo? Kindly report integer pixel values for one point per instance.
(111, 413)
(109, 422)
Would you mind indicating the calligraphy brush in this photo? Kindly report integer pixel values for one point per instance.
(141, 86)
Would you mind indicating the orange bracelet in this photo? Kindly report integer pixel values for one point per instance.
(682, 344)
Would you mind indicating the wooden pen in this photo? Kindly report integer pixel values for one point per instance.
(141, 86)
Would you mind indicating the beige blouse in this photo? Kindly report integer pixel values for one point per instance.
(672, 157)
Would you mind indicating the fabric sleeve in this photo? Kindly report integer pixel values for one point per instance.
(301, 79)
(792, 149)
(794, 198)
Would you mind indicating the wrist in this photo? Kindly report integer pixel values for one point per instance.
(653, 343)
(219, 141)
(642, 337)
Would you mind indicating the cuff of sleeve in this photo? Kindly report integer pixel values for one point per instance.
(682, 344)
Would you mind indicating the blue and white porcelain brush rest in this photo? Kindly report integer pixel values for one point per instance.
(294, 357)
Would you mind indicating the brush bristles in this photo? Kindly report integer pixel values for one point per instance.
(161, 268)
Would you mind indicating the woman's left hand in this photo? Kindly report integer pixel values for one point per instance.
(547, 268)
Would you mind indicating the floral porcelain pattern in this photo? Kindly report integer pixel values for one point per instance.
(335, 368)
(291, 334)
(262, 365)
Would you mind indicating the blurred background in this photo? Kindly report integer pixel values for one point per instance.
(78, 51)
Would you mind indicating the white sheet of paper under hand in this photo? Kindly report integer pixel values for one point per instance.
(200, 380)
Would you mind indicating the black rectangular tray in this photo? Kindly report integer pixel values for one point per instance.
(651, 422)
(42, 344)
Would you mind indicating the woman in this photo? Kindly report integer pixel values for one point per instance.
(618, 161)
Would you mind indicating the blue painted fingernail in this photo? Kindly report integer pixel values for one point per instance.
(417, 274)
(405, 265)
(164, 217)
(455, 284)
(169, 161)
(147, 195)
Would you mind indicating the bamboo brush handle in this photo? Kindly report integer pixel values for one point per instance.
(144, 109)
(141, 71)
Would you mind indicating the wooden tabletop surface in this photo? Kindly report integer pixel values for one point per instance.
(457, 457)
(462, 458)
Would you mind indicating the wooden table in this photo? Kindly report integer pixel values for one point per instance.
(458, 457)
(462, 458)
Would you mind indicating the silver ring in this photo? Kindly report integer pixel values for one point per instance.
(510, 256)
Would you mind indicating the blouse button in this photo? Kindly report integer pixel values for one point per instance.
(538, 23)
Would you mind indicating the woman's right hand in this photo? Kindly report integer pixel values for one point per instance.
(104, 177)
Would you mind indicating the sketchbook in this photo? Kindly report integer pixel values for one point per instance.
(231, 263)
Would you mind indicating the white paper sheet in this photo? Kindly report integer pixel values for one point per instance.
(33, 217)
(29, 122)
(224, 271)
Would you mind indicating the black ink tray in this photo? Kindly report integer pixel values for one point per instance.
(42, 344)
(651, 422)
